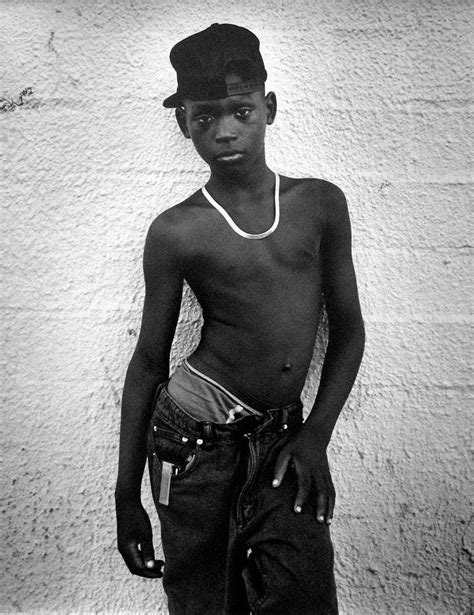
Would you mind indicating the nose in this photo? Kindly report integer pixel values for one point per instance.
(226, 129)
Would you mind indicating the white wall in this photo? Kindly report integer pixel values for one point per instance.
(373, 95)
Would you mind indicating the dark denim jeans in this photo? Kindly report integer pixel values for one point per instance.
(232, 543)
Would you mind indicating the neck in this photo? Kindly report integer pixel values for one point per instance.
(242, 179)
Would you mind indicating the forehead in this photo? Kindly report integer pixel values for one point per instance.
(238, 100)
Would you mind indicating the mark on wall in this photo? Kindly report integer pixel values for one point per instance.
(51, 47)
(9, 104)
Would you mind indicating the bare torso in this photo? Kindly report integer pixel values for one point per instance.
(260, 298)
(261, 301)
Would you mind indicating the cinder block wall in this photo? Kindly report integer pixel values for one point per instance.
(373, 96)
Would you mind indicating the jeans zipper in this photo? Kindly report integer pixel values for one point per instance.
(251, 471)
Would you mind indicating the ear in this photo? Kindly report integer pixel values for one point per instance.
(271, 103)
(180, 114)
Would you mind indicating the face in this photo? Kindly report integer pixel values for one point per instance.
(228, 132)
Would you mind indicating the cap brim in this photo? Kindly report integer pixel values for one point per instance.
(172, 101)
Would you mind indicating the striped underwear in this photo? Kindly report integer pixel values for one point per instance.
(204, 398)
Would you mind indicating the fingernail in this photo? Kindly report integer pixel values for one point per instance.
(150, 563)
(321, 518)
(275, 482)
(298, 509)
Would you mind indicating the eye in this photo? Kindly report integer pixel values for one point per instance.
(203, 121)
(243, 113)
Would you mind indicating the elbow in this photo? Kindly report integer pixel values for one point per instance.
(150, 363)
(360, 333)
(357, 328)
(348, 331)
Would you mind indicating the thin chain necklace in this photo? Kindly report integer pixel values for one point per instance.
(236, 228)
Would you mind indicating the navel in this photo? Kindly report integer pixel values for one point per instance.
(286, 367)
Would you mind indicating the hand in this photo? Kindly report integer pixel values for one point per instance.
(135, 541)
(309, 458)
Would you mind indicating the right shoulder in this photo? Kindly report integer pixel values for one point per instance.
(173, 235)
(174, 224)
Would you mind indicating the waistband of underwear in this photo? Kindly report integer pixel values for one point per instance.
(275, 419)
(209, 380)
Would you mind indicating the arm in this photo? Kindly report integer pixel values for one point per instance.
(148, 368)
(346, 327)
(341, 363)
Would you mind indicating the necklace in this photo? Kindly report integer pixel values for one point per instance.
(236, 228)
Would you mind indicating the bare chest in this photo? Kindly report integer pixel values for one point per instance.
(223, 258)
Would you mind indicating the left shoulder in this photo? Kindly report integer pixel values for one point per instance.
(320, 188)
(328, 197)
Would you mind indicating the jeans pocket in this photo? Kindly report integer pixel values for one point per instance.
(169, 444)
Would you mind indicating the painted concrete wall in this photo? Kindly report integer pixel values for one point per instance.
(374, 95)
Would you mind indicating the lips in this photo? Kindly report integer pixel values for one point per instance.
(231, 154)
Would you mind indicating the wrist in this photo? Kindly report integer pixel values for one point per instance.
(127, 494)
(319, 434)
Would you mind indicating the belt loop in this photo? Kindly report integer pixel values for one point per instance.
(207, 431)
(158, 390)
(284, 418)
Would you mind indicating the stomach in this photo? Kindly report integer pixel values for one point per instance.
(263, 360)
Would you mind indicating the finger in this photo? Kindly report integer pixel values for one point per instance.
(321, 505)
(280, 468)
(331, 504)
(304, 485)
(147, 553)
(156, 571)
(131, 554)
(133, 558)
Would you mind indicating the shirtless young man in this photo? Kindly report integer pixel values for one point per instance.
(242, 487)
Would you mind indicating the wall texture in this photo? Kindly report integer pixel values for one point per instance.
(374, 96)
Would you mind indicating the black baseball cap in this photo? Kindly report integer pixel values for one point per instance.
(203, 60)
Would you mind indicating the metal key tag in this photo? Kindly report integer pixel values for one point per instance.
(167, 470)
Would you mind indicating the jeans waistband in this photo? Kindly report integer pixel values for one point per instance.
(275, 419)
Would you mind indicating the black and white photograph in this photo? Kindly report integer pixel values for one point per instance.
(237, 307)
